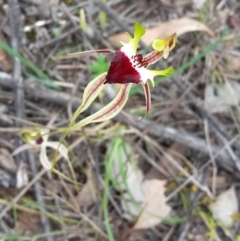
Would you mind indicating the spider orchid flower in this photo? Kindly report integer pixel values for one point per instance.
(127, 68)
(38, 139)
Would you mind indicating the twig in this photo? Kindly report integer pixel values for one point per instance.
(185, 227)
(216, 126)
(118, 20)
(157, 130)
(14, 19)
(21, 193)
(15, 24)
(39, 198)
(114, 16)
(61, 37)
(206, 129)
(34, 2)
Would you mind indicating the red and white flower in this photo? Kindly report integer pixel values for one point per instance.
(127, 68)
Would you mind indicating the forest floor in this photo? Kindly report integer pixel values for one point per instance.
(172, 176)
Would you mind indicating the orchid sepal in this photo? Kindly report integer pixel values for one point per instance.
(91, 92)
(107, 112)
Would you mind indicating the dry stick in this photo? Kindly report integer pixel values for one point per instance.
(183, 95)
(39, 197)
(14, 19)
(216, 126)
(182, 137)
(15, 24)
(185, 227)
(61, 37)
(23, 191)
(34, 2)
(114, 16)
(35, 91)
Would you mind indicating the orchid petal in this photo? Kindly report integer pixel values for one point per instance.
(153, 57)
(164, 72)
(147, 96)
(132, 46)
(162, 48)
(166, 52)
(161, 44)
(62, 148)
(109, 111)
(59, 147)
(44, 159)
(45, 135)
(148, 103)
(147, 74)
(21, 149)
(90, 94)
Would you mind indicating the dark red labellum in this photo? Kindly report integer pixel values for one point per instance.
(121, 70)
(39, 140)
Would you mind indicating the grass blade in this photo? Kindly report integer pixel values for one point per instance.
(47, 81)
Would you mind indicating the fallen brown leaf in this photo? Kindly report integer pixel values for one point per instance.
(142, 199)
(7, 161)
(233, 63)
(27, 223)
(5, 61)
(88, 196)
(154, 206)
(163, 30)
(235, 21)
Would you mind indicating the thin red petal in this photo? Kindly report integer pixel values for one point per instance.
(147, 96)
(90, 94)
(148, 103)
(121, 70)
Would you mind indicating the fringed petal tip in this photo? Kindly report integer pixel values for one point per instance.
(139, 31)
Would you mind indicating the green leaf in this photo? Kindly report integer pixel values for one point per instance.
(99, 67)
